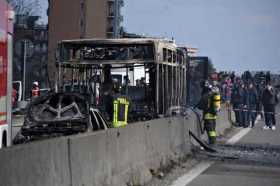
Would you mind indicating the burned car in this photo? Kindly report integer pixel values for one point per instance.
(59, 114)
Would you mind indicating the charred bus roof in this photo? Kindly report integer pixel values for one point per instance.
(128, 41)
(112, 51)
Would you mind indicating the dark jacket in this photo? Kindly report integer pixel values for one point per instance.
(269, 97)
(203, 102)
(236, 95)
(253, 97)
(245, 97)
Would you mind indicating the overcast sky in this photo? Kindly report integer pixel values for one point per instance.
(236, 34)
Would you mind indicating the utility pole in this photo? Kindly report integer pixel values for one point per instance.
(24, 69)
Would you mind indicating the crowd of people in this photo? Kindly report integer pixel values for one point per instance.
(249, 98)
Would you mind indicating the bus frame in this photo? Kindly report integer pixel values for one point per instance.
(168, 62)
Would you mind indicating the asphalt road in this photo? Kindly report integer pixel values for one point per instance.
(239, 174)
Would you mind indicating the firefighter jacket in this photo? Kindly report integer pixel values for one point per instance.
(210, 104)
(120, 112)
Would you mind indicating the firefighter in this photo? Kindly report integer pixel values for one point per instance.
(120, 108)
(210, 104)
(35, 90)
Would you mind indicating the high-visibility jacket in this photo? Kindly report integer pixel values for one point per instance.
(212, 133)
(214, 106)
(209, 116)
(120, 114)
(35, 92)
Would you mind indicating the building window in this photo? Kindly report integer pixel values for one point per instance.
(44, 47)
(111, 12)
(42, 35)
(81, 23)
(110, 27)
(37, 47)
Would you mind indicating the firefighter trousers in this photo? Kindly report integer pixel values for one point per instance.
(210, 127)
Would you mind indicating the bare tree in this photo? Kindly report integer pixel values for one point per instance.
(26, 7)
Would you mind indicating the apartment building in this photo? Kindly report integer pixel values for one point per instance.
(74, 19)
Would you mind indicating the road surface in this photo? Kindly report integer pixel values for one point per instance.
(233, 174)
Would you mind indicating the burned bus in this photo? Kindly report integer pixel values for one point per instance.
(150, 72)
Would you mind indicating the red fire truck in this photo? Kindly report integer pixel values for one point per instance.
(6, 48)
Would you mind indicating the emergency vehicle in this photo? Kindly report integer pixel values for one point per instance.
(6, 48)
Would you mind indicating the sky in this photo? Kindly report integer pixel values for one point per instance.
(42, 11)
(237, 35)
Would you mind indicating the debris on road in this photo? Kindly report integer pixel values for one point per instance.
(250, 153)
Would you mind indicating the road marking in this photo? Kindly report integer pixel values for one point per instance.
(192, 174)
(201, 167)
(241, 133)
(238, 136)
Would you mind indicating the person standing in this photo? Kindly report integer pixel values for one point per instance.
(236, 101)
(245, 106)
(210, 104)
(227, 90)
(253, 99)
(269, 101)
(260, 88)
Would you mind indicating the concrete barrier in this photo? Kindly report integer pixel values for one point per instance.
(223, 121)
(126, 155)
(42, 163)
(114, 157)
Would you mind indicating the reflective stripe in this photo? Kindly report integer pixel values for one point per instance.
(212, 133)
(126, 112)
(217, 101)
(115, 117)
(3, 116)
(217, 97)
(210, 116)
